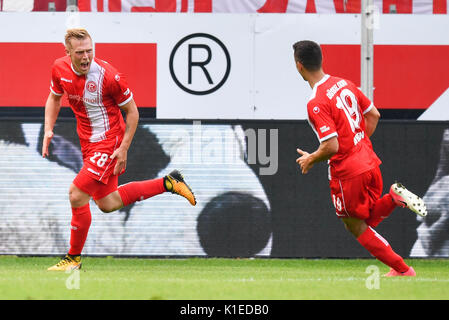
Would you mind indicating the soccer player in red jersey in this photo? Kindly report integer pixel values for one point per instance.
(97, 93)
(343, 119)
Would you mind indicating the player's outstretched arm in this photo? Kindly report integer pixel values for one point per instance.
(52, 107)
(371, 119)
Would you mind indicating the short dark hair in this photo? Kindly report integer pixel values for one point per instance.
(309, 54)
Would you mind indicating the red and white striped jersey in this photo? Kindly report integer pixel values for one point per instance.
(95, 98)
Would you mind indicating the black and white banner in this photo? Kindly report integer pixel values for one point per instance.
(252, 198)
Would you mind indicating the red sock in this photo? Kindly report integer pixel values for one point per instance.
(140, 190)
(381, 209)
(380, 248)
(81, 219)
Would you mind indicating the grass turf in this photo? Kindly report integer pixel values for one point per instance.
(23, 278)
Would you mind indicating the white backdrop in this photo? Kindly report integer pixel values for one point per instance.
(262, 83)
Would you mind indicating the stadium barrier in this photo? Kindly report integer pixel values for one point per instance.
(220, 6)
(252, 199)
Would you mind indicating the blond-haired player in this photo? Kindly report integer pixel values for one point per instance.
(97, 94)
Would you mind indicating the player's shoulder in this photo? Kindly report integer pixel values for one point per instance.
(62, 63)
(315, 105)
(319, 89)
(314, 108)
(337, 83)
(103, 63)
(111, 72)
(348, 83)
(106, 65)
(341, 83)
(318, 96)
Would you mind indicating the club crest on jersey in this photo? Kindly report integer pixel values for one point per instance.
(91, 86)
(316, 109)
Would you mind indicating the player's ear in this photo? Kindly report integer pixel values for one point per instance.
(299, 66)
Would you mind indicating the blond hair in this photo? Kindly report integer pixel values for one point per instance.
(77, 33)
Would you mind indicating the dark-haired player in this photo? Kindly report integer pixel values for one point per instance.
(343, 119)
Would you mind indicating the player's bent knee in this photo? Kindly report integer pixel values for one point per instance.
(110, 203)
(77, 197)
(105, 208)
(355, 226)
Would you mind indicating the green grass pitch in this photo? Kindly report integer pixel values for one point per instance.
(26, 278)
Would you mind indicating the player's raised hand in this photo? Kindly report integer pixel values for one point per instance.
(48, 135)
(304, 161)
(121, 154)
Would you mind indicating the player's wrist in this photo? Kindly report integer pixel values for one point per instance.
(124, 147)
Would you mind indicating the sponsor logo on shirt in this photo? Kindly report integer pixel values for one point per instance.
(65, 80)
(76, 97)
(323, 129)
(93, 101)
(316, 109)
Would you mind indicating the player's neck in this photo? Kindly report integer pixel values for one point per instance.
(315, 77)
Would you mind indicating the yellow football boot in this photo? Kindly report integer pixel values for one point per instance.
(174, 182)
(67, 263)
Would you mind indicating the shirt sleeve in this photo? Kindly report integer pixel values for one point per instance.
(55, 83)
(120, 90)
(321, 121)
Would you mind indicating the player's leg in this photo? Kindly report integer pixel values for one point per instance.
(382, 206)
(353, 199)
(398, 196)
(377, 246)
(110, 203)
(112, 198)
(79, 225)
(77, 197)
(107, 197)
(140, 190)
(81, 219)
(382, 209)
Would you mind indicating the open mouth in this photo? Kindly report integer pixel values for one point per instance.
(84, 65)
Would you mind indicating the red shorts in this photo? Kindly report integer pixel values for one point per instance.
(97, 159)
(96, 177)
(355, 197)
(93, 187)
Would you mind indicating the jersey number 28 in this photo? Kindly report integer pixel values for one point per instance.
(102, 158)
